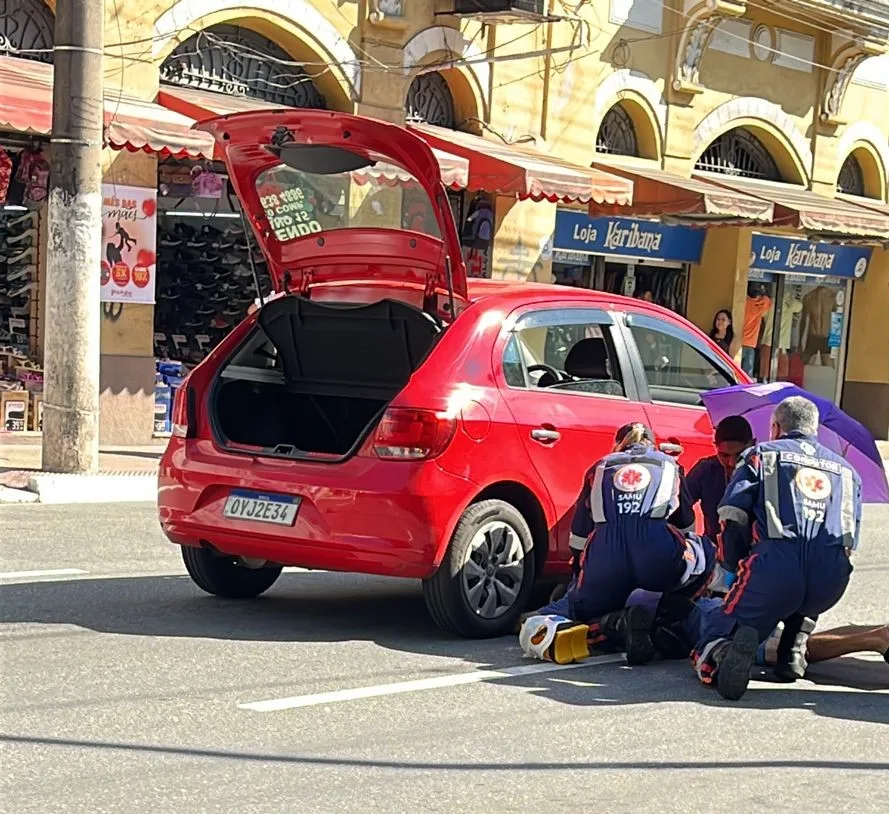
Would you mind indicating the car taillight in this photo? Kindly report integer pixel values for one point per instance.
(184, 412)
(406, 434)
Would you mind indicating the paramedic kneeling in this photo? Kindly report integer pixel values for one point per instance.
(790, 518)
(631, 505)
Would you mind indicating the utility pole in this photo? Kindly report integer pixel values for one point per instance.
(71, 344)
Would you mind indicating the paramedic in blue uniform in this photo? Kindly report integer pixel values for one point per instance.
(636, 521)
(790, 519)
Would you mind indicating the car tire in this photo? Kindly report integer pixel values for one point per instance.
(491, 540)
(224, 576)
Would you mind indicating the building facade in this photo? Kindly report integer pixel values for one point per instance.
(753, 137)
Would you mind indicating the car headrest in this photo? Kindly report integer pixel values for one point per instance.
(588, 359)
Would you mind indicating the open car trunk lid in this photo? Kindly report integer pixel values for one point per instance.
(336, 199)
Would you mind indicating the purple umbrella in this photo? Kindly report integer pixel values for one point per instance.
(839, 432)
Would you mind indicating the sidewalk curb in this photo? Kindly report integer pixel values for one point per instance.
(16, 496)
(104, 487)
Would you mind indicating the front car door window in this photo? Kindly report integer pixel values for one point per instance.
(677, 366)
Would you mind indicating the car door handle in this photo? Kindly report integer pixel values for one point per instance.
(545, 436)
(671, 449)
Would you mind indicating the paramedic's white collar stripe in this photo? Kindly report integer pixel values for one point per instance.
(734, 514)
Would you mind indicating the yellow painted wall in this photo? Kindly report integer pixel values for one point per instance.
(720, 281)
(551, 101)
(868, 327)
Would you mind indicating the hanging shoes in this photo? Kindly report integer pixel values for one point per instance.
(30, 254)
(29, 218)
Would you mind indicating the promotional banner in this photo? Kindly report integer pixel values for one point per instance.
(129, 244)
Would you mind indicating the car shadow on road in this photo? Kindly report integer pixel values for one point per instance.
(301, 607)
(321, 607)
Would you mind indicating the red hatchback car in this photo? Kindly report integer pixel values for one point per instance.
(382, 415)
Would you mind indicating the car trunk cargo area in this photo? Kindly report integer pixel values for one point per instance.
(313, 378)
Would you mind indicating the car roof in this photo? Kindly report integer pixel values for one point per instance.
(516, 294)
(509, 295)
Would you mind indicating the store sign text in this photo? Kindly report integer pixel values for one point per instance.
(771, 253)
(627, 236)
(287, 215)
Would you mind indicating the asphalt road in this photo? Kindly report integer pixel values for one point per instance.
(124, 690)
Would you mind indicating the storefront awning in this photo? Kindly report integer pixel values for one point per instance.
(872, 204)
(688, 200)
(804, 209)
(510, 169)
(129, 123)
(201, 104)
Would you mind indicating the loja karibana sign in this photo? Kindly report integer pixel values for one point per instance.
(129, 244)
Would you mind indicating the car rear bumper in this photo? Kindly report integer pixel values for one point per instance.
(362, 516)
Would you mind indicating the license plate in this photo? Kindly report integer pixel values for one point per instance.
(262, 508)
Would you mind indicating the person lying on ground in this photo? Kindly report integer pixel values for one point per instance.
(629, 511)
(677, 626)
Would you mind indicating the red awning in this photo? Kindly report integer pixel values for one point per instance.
(26, 107)
(804, 209)
(202, 104)
(511, 169)
(689, 200)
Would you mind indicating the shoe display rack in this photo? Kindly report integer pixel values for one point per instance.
(204, 284)
(18, 275)
(21, 379)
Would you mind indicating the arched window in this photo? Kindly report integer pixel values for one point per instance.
(429, 100)
(617, 134)
(851, 178)
(26, 29)
(739, 152)
(239, 62)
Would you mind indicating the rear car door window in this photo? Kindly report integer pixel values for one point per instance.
(677, 365)
(565, 350)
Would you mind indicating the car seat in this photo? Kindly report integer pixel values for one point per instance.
(588, 362)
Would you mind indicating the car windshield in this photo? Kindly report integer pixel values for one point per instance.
(341, 190)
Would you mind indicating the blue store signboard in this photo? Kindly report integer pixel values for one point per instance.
(577, 232)
(787, 255)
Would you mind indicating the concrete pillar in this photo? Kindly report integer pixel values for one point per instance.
(866, 387)
(720, 280)
(522, 246)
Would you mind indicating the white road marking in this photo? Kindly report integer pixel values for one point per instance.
(51, 572)
(439, 682)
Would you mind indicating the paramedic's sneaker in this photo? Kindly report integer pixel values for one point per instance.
(629, 630)
(634, 626)
(791, 661)
(734, 661)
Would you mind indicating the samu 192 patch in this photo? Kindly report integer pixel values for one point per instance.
(632, 478)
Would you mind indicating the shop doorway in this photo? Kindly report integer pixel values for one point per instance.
(665, 284)
(801, 337)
